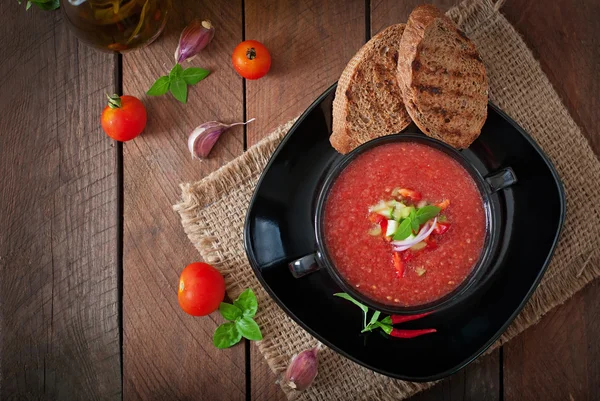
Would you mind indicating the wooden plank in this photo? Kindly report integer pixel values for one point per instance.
(478, 381)
(59, 323)
(168, 354)
(310, 43)
(557, 359)
(564, 38)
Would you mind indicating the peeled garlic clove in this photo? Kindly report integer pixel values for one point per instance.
(194, 37)
(303, 369)
(203, 138)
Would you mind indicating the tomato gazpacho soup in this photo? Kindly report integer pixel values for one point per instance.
(404, 224)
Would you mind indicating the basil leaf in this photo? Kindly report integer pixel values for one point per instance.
(193, 75)
(229, 312)
(364, 308)
(160, 87)
(179, 89)
(414, 223)
(404, 230)
(385, 327)
(44, 4)
(247, 302)
(427, 213)
(374, 317)
(387, 320)
(249, 329)
(226, 335)
(176, 71)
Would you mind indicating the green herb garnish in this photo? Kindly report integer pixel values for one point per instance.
(241, 324)
(177, 82)
(427, 213)
(385, 324)
(404, 230)
(363, 307)
(42, 4)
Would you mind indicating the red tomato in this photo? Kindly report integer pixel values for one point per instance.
(251, 59)
(201, 289)
(124, 118)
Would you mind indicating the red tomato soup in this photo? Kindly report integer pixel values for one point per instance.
(411, 176)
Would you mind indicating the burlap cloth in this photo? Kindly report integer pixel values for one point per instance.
(211, 207)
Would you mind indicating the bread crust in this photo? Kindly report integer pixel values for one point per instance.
(442, 78)
(368, 101)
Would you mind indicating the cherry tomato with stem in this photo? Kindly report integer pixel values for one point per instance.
(251, 59)
(201, 289)
(124, 118)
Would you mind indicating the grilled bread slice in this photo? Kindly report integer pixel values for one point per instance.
(442, 77)
(368, 101)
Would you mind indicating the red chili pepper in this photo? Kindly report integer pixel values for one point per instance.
(383, 224)
(441, 228)
(406, 256)
(398, 264)
(410, 333)
(396, 319)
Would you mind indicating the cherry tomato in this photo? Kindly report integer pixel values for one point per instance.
(124, 118)
(201, 289)
(251, 59)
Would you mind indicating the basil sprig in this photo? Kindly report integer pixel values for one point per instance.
(241, 322)
(384, 324)
(177, 82)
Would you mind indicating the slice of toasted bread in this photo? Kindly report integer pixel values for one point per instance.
(442, 77)
(368, 101)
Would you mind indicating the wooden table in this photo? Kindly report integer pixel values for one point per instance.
(91, 251)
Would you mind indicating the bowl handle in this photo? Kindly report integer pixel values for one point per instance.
(304, 265)
(501, 179)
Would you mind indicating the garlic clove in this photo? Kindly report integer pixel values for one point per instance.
(203, 137)
(194, 37)
(303, 369)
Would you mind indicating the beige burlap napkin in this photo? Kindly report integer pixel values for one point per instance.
(210, 208)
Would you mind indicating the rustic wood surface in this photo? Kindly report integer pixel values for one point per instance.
(62, 318)
(59, 303)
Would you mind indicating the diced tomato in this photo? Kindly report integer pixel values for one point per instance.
(409, 193)
(376, 218)
(444, 204)
(398, 264)
(441, 228)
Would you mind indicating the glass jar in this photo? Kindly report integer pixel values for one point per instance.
(117, 25)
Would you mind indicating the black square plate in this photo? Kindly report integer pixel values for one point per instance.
(279, 229)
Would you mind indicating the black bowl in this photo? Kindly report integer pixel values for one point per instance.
(481, 269)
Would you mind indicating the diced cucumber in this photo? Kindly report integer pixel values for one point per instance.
(405, 212)
(375, 230)
(391, 203)
(392, 226)
(418, 246)
(387, 213)
(397, 211)
(378, 207)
